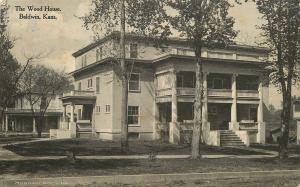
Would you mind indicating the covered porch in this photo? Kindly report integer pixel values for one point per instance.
(77, 119)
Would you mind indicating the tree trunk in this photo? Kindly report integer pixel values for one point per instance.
(285, 121)
(39, 125)
(197, 107)
(124, 101)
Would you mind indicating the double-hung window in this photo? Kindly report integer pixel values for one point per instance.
(133, 115)
(134, 82)
(133, 50)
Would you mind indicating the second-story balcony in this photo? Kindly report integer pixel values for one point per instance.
(214, 93)
(82, 93)
(79, 97)
(28, 110)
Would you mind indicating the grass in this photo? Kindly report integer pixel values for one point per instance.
(292, 148)
(62, 167)
(88, 147)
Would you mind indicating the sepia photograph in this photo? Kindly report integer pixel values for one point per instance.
(149, 93)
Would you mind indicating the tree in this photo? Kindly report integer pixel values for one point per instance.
(205, 23)
(39, 86)
(281, 33)
(139, 16)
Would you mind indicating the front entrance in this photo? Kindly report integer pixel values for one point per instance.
(219, 115)
(164, 120)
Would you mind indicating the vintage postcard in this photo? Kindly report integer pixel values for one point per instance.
(149, 93)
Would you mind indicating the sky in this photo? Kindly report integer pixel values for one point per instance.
(57, 39)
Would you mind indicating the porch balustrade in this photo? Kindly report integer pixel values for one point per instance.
(23, 110)
(219, 93)
(248, 125)
(247, 93)
(79, 93)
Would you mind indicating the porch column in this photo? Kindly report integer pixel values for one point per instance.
(205, 127)
(6, 123)
(33, 126)
(72, 116)
(261, 135)
(174, 131)
(64, 113)
(260, 105)
(156, 130)
(233, 125)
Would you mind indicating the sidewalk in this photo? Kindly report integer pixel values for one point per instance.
(145, 178)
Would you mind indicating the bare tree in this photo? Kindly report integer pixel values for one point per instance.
(39, 86)
(204, 24)
(138, 16)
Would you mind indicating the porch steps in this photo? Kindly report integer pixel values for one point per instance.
(229, 138)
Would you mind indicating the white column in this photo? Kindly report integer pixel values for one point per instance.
(205, 99)
(72, 116)
(6, 123)
(234, 99)
(33, 125)
(233, 124)
(260, 111)
(173, 131)
(64, 113)
(174, 97)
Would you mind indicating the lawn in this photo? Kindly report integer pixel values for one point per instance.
(292, 148)
(91, 147)
(90, 167)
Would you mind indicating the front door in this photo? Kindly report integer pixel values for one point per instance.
(253, 114)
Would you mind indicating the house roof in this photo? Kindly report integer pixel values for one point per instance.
(172, 40)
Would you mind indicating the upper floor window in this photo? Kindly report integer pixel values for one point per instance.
(247, 82)
(133, 50)
(99, 54)
(133, 115)
(185, 79)
(134, 82)
(98, 109)
(219, 81)
(90, 83)
(97, 84)
(83, 60)
(79, 86)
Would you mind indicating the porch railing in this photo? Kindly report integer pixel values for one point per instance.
(79, 93)
(219, 93)
(21, 110)
(248, 125)
(247, 93)
(163, 92)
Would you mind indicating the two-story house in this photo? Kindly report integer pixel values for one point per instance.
(19, 118)
(162, 88)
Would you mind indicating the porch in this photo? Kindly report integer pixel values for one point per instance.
(77, 120)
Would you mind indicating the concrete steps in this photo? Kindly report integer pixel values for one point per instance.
(229, 138)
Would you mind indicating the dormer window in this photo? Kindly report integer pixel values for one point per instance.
(133, 50)
(99, 54)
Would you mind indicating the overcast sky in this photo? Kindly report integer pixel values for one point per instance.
(63, 36)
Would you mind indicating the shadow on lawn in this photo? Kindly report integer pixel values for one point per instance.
(61, 165)
(95, 147)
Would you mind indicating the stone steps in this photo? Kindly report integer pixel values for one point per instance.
(229, 138)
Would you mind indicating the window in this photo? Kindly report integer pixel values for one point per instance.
(79, 86)
(133, 115)
(79, 114)
(98, 109)
(99, 54)
(83, 60)
(217, 83)
(134, 82)
(90, 83)
(133, 50)
(97, 84)
(107, 109)
(297, 107)
(212, 111)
